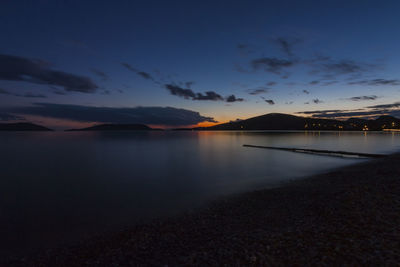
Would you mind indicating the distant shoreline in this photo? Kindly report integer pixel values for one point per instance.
(271, 121)
(347, 216)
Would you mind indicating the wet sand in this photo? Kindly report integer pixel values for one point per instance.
(347, 216)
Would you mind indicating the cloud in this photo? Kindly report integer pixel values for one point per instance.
(386, 106)
(374, 111)
(362, 98)
(189, 84)
(342, 67)
(376, 82)
(100, 73)
(319, 111)
(271, 83)
(179, 91)
(317, 101)
(209, 95)
(333, 114)
(9, 117)
(4, 92)
(144, 115)
(271, 64)
(270, 101)
(348, 114)
(327, 69)
(257, 91)
(331, 68)
(329, 83)
(189, 94)
(27, 94)
(129, 67)
(15, 68)
(143, 74)
(233, 98)
(286, 44)
(59, 92)
(32, 95)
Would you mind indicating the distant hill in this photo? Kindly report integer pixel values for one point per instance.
(22, 126)
(117, 127)
(278, 121)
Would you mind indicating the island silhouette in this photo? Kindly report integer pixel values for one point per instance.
(22, 126)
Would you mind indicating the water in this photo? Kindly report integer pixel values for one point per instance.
(58, 187)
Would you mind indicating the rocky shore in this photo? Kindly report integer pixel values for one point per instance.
(350, 216)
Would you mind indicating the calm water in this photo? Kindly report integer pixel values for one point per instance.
(57, 187)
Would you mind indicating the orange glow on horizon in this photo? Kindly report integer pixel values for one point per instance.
(200, 124)
(206, 124)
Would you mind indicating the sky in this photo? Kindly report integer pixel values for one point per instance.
(181, 63)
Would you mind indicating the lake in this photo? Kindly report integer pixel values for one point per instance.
(57, 187)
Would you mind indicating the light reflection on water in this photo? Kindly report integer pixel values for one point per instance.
(56, 187)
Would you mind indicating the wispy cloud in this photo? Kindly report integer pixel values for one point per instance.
(363, 98)
(258, 90)
(100, 73)
(32, 95)
(386, 106)
(141, 73)
(374, 111)
(376, 82)
(272, 64)
(329, 83)
(287, 44)
(27, 94)
(330, 68)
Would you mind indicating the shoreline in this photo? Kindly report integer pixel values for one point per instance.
(349, 215)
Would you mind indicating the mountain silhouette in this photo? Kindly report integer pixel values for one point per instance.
(22, 126)
(278, 121)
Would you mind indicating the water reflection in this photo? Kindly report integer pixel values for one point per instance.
(58, 186)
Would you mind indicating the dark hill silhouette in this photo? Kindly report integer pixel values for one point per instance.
(385, 122)
(22, 126)
(117, 127)
(278, 121)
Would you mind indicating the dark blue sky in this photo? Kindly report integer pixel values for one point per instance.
(84, 60)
